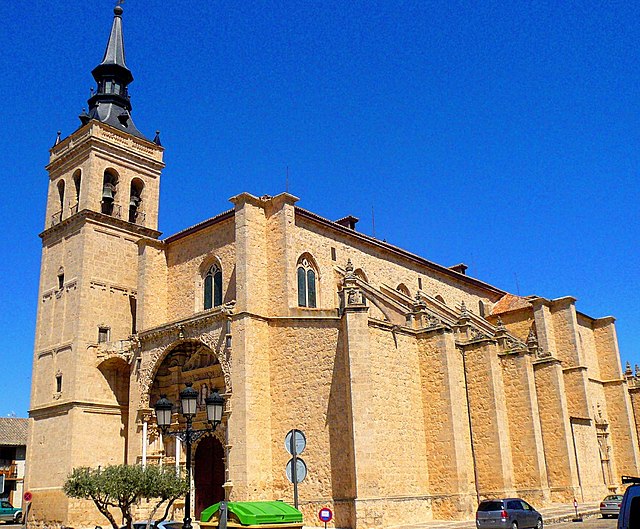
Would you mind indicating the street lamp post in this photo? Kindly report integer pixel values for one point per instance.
(189, 404)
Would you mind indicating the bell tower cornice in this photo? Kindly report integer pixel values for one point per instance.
(96, 137)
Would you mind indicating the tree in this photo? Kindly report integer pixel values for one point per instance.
(123, 486)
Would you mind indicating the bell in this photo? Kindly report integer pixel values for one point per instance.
(108, 192)
(134, 202)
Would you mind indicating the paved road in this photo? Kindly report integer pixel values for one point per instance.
(591, 523)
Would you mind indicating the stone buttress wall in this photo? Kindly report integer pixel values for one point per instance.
(446, 426)
(489, 422)
(527, 450)
(556, 430)
(309, 392)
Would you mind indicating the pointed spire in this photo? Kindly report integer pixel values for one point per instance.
(57, 138)
(110, 103)
(156, 140)
(114, 54)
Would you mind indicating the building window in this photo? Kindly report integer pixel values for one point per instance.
(213, 287)
(419, 283)
(306, 285)
(60, 280)
(103, 334)
(333, 254)
(58, 383)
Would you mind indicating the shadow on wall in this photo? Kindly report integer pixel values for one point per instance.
(341, 438)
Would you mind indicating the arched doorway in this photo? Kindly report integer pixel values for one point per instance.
(208, 473)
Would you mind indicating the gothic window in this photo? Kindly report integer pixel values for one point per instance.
(306, 284)
(109, 189)
(60, 279)
(482, 309)
(213, 287)
(58, 383)
(135, 199)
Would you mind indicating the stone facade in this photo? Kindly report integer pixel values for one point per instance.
(420, 390)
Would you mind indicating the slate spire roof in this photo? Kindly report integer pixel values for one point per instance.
(111, 103)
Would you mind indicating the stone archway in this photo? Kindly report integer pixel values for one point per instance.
(209, 473)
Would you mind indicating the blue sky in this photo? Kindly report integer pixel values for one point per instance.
(502, 136)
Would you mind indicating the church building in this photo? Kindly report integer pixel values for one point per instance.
(420, 390)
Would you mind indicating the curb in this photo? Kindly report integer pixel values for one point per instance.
(569, 517)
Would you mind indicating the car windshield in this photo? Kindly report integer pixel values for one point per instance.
(615, 497)
(490, 506)
(176, 525)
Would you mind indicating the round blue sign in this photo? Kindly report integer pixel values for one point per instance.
(325, 514)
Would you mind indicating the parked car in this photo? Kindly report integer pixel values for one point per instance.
(629, 517)
(610, 506)
(9, 513)
(511, 513)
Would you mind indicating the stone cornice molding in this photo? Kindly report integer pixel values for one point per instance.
(89, 216)
(60, 408)
(198, 321)
(96, 134)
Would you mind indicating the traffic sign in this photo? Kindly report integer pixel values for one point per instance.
(301, 470)
(325, 515)
(295, 440)
(27, 496)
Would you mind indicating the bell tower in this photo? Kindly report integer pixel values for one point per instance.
(102, 200)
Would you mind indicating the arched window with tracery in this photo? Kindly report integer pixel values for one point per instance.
(213, 287)
(307, 288)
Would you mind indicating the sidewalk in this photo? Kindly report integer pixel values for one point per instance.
(550, 515)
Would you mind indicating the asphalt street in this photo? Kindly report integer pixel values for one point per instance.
(591, 523)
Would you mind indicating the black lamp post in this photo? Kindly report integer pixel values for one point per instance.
(189, 404)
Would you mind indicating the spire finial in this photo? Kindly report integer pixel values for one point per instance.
(110, 102)
(57, 138)
(156, 140)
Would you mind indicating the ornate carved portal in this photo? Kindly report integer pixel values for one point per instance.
(200, 356)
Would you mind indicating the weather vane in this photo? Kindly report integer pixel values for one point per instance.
(119, 2)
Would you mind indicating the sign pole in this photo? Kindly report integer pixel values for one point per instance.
(294, 470)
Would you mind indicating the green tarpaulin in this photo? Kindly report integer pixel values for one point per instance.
(257, 512)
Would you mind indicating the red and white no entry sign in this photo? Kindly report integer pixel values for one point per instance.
(325, 514)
